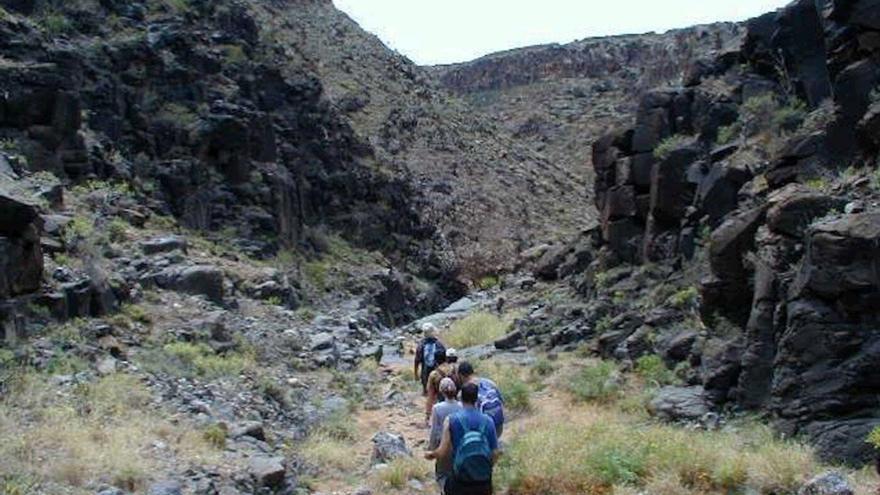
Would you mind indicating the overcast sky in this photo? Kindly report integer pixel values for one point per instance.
(446, 31)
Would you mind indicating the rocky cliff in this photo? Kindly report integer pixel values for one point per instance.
(747, 199)
(559, 98)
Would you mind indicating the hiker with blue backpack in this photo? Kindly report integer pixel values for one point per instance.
(470, 442)
(427, 354)
(489, 401)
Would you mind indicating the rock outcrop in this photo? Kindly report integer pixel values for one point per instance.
(741, 175)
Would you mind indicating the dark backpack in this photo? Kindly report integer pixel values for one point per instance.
(430, 350)
(472, 462)
(490, 402)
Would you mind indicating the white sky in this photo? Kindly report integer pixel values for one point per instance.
(446, 31)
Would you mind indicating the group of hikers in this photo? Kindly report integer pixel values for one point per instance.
(465, 413)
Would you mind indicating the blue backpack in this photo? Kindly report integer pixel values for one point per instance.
(472, 462)
(430, 351)
(490, 402)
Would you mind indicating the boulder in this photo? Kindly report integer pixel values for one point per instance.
(729, 292)
(670, 192)
(167, 487)
(200, 280)
(509, 341)
(387, 447)
(841, 260)
(164, 245)
(267, 471)
(830, 483)
(795, 209)
(547, 267)
(675, 347)
(680, 404)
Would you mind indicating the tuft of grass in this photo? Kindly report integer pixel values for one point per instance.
(104, 430)
(215, 435)
(595, 450)
(599, 382)
(510, 380)
(685, 298)
(488, 282)
(188, 359)
(400, 471)
(654, 371)
(56, 23)
(728, 133)
(542, 368)
(117, 230)
(476, 329)
(668, 145)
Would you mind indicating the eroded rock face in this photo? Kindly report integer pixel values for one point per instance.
(21, 257)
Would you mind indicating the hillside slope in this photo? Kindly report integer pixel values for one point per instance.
(559, 98)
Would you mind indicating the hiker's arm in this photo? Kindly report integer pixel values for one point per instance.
(431, 400)
(445, 447)
(417, 361)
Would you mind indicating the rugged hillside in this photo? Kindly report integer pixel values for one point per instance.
(739, 229)
(559, 98)
(487, 191)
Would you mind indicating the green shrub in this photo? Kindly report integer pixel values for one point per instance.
(188, 359)
(475, 329)
(117, 230)
(56, 23)
(668, 145)
(215, 435)
(137, 313)
(874, 437)
(685, 298)
(509, 378)
(654, 371)
(599, 382)
(818, 183)
(488, 282)
(234, 54)
(80, 228)
(542, 368)
(728, 133)
(274, 301)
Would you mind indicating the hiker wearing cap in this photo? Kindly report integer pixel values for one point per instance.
(469, 442)
(447, 367)
(490, 401)
(428, 354)
(439, 413)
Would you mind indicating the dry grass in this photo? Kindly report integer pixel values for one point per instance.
(399, 472)
(591, 449)
(99, 432)
(476, 329)
(331, 455)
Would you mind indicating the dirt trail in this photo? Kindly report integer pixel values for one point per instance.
(406, 417)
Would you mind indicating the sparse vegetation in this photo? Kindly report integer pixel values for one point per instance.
(591, 450)
(56, 23)
(668, 145)
(400, 471)
(215, 435)
(488, 282)
(475, 329)
(117, 230)
(654, 371)
(599, 382)
(103, 430)
(728, 133)
(510, 380)
(189, 359)
(685, 298)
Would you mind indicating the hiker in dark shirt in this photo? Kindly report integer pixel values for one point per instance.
(427, 354)
(470, 442)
